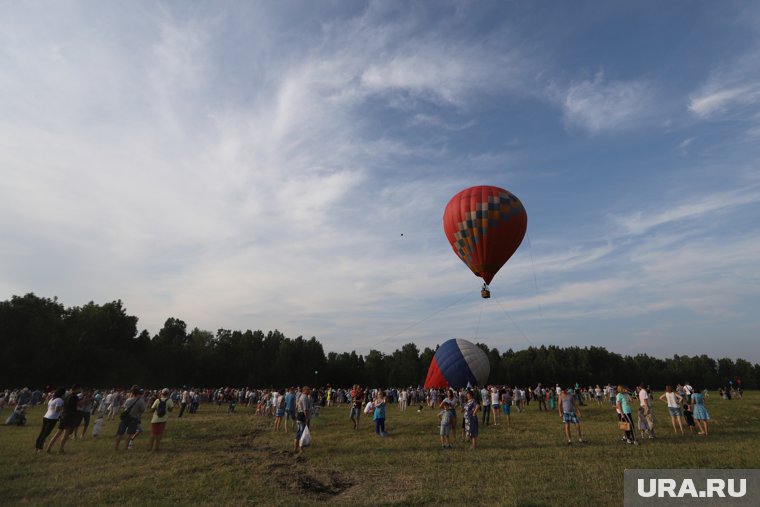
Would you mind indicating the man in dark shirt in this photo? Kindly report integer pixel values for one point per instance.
(357, 402)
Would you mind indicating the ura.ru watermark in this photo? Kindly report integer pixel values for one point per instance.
(661, 487)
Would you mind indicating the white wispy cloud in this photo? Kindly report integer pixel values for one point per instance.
(181, 203)
(600, 104)
(641, 222)
(731, 89)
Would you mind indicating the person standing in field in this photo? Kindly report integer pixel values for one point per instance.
(491, 398)
(687, 391)
(54, 410)
(451, 402)
(645, 402)
(357, 402)
(673, 399)
(115, 404)
(485, 402)
(69, 419)
(569, 413)
(379, 414)
(623, 406)
(129, 419)
(470, 410)
(445, 416)
(699, 411)
(184, 400)
(506, 403)
(279, 411)
(290, 407)
(303, 416)
(160, 408)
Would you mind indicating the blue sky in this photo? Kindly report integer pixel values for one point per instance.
(255, 164)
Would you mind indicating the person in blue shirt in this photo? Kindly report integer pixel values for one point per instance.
(379, 415)
(290, 407)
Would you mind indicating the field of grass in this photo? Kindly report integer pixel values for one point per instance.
(214, 458)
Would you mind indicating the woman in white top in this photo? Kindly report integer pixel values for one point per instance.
(673, 399)
(55, 407)
(495, 405)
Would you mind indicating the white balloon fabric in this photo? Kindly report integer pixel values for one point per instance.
(457, 363)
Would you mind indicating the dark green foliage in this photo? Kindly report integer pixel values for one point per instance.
(43, 343)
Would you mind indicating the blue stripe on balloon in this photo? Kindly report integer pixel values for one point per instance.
(453, 365)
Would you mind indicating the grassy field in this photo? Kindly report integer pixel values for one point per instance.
(236, 459)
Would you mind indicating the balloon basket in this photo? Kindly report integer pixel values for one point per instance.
(485, 293)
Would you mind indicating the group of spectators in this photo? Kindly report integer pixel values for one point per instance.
(69, 412)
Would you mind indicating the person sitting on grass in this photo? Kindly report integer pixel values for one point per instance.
(569, 413)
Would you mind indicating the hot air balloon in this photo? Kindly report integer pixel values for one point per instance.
(457, 363)
(485, 225)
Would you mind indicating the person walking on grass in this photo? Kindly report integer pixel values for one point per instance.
(86, 405)
(673, 400)
(129, 419)
(540, 393)
(49, 420)
(69, 419)
(379, 414)
(569, 413)
(304, 409)
(160, 408)
(470, 410)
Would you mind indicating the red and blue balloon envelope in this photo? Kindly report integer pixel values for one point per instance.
(485, 225)
(457, 363)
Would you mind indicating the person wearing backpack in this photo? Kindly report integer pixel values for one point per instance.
(161, 408)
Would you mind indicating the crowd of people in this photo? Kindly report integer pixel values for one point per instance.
(70, 411)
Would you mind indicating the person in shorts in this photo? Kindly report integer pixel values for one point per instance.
(160, 408)
(570, 414)
(129, 419)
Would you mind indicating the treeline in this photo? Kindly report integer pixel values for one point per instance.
(43, 343)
